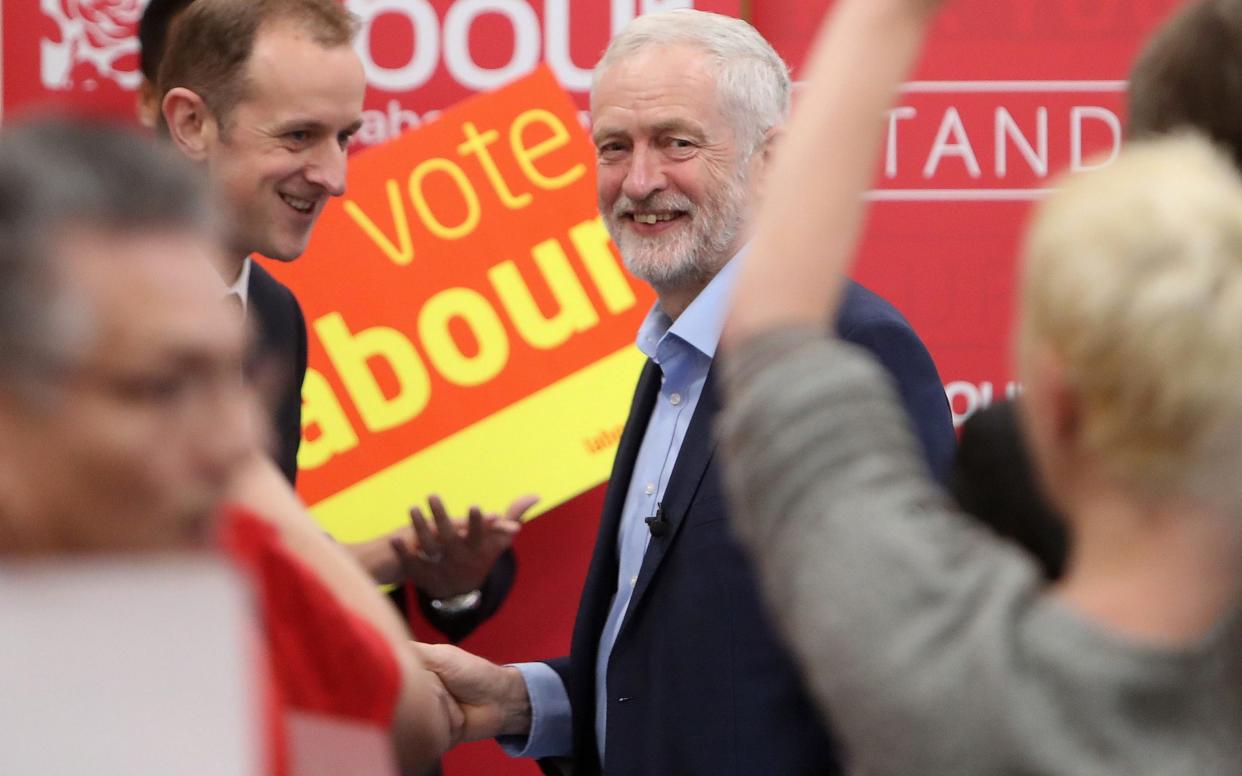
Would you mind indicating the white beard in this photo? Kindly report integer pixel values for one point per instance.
(688, 253)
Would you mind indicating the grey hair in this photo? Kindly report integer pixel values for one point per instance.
(56, 174)
(754, 84)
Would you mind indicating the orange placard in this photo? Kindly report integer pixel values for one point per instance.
(471, 326)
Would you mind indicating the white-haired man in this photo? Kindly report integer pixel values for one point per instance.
(673, 666)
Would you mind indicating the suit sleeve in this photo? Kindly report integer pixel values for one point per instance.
(281, 345)
(298, 378)
(902, 354)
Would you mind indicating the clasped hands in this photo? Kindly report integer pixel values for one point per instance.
(486, 700)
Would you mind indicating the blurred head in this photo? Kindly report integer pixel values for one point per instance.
(684, 105)
(1132, 304)
(157, 17)
(122, 413)
(1189, 76)
(266, 94)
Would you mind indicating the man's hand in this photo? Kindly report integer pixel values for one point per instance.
(448, 558)
(452, 710)
(492, 699)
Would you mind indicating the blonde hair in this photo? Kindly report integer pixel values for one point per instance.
(1134, 278)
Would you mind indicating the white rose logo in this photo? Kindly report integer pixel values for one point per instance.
(100, 33)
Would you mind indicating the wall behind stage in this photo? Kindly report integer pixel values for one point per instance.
(1009, 93)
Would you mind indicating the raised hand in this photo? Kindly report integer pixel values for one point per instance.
(448, 557)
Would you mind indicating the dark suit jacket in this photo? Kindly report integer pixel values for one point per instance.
(281, 345)
(494, 591)
(698, 681)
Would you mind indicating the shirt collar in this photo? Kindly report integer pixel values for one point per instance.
(241, 286)
(701, 322)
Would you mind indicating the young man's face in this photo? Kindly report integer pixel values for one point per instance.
(281, 150)
(125, 438)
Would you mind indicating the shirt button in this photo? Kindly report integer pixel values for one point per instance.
(633, 581)
(650, 488)
(675, 399)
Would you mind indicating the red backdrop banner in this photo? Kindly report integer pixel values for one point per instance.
(1007, 95)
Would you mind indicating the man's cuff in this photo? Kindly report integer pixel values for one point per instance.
(551, 719)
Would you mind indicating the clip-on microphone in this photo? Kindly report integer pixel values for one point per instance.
(658, 524)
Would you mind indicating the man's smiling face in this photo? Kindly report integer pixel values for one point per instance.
(281, 150)
(671, 176)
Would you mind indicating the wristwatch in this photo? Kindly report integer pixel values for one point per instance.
(458, 604)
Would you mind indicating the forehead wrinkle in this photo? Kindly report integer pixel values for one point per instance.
(677, 124)
(285, 89)
(629, 78)
(605, 126)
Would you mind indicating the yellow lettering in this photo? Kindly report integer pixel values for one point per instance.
(321, 409)
(576, 313)
(350, 354)
(526, 156)
(477, 144)
(401, 254)
(485, 325)
(591, 240)
(468, 195)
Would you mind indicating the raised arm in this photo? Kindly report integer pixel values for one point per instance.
(425, 718)
(898, 610)
(811, 214)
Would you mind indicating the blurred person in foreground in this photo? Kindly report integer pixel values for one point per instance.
(266, 96)
(124, 425)
(1188, 76)
(936, 646)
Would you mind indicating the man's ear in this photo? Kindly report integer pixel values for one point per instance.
(191, 125)
(761, 160)
(771, 139)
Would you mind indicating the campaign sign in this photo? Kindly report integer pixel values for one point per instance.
(471, 326)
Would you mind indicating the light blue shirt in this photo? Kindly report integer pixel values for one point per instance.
(684, 350)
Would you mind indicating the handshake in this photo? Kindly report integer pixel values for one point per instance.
(481, 699)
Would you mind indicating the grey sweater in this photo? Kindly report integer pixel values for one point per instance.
(927, 641)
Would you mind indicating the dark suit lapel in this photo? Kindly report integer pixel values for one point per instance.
(692, 461)
(601, 579)
(627, 453)
(271, 318)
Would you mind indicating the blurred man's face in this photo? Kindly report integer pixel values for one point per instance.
(133, 431)
(282, 149)
(671, 181)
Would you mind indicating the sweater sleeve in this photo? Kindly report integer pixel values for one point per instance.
(901, 613)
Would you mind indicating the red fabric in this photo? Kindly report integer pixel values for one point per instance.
(322, 657)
